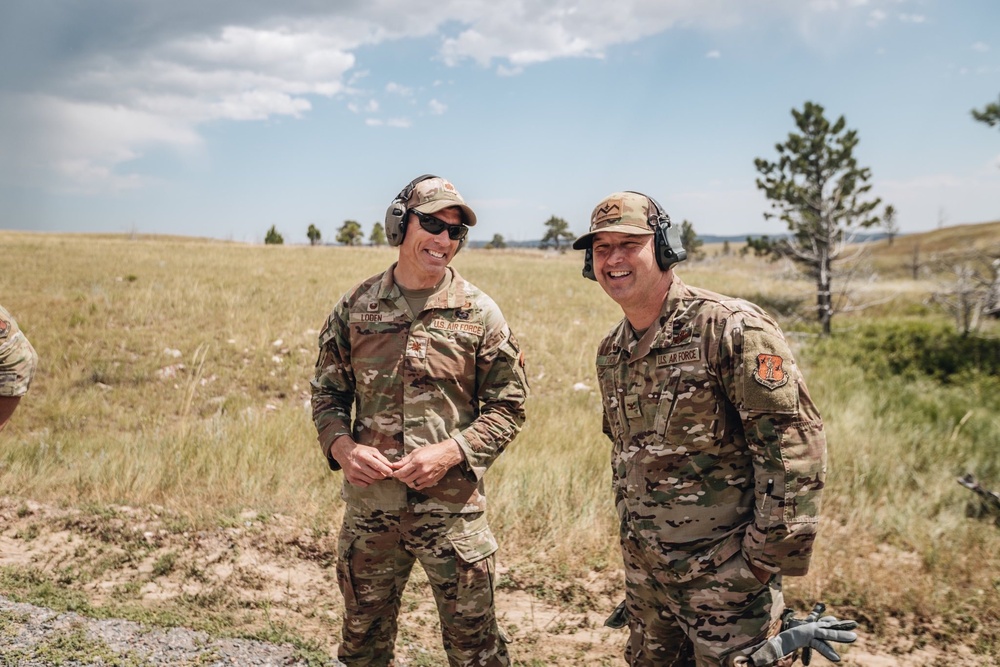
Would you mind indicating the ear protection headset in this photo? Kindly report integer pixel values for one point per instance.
(397, 213)
(666, 240)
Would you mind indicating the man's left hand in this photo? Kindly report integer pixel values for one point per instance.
(425, 466)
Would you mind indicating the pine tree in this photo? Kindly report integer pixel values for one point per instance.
(817, 188)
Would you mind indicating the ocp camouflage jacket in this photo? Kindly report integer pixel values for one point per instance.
(453, 371)
(18, 358)
(717, 444)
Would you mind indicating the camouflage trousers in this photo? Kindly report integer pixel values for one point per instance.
(698, 622)
(376, 553)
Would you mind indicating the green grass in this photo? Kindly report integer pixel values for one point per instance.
(114, 420)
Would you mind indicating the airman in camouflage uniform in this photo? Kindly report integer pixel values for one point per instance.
(719, 454)
(17, 365)
(436, 381)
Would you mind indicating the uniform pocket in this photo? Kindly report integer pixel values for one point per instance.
(474, 546)
(345, 577)
(474, 570)
(612, 401)
(668, 398)
(803, 451)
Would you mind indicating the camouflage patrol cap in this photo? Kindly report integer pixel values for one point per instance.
(434, 194)
(621, 213)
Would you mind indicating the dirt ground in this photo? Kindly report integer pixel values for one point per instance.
(267, 572)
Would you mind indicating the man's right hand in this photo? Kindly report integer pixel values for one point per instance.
(362, 465)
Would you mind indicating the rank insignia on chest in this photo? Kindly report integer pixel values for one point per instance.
(416, 348)
(681, 335)
(632, 409)
(372, 306)
(769, 371)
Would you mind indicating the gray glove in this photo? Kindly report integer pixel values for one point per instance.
(812, 635)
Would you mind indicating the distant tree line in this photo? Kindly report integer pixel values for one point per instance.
(815, 185)
(349, 233)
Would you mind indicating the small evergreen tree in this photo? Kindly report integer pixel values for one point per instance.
(889, 223)
(818, 189)
(690, 240)
(377, 237)
(350, 233)
(557, 229)
(273, 237)
(990, 114)
(314, 235)
(497, 242)
(761, 247)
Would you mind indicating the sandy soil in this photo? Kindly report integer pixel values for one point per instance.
(268, 570)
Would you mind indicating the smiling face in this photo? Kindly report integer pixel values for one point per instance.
(424, 257)
(625, 266)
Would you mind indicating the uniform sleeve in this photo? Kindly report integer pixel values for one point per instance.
(502, 389)
(787, 443)
(18, 359)
(333, 383)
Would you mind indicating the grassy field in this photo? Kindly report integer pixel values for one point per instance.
(172, 395)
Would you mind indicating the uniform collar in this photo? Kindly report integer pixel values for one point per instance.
(661, 332)
(452, 297)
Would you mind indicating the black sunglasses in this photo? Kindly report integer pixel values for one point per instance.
(437, 225)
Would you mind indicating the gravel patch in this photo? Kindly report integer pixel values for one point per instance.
(33, 636)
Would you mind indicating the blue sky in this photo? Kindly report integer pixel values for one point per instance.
(223, 118)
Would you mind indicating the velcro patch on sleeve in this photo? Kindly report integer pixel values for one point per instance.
(770, 379)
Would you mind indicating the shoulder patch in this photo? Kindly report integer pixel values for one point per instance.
(769, 371)
(769, 376)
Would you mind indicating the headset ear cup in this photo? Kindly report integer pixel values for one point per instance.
(669, 250)
(588, 264)
(395, 222)
(396, 214)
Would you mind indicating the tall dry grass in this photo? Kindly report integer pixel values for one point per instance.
(176, 373)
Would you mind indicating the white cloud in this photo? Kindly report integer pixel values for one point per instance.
(372, 106)
(437, 108)
(398, 89)
(503, 70)
(109, 108)
(981, 47)
(155, 76)
(912, 18)
(77, 146)
(876, 17)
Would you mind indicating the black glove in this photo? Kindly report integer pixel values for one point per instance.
(619, 617)
(812, 635)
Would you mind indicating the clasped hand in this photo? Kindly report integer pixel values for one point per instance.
(420, 469)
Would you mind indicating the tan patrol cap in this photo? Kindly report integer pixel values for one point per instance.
(619, 212)
(434, 194)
